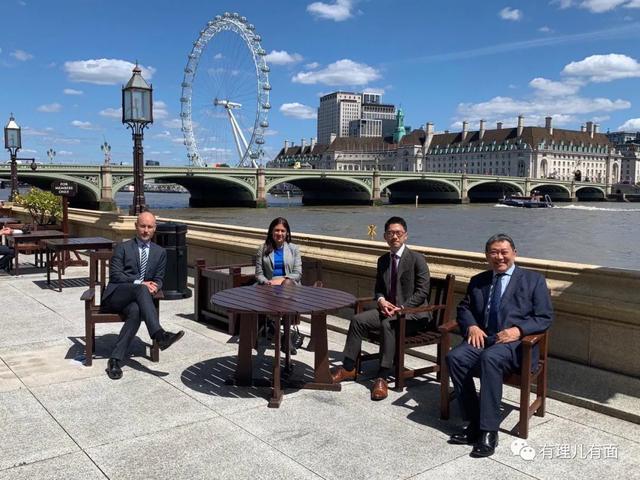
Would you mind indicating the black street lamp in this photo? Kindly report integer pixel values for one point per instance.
(13, 143)
(137, 114)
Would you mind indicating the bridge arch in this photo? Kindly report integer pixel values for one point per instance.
(88, 193)
(590, 193)
(428, 190)
(493, 190)
(324, 189)
(205, 190)
(558, 192)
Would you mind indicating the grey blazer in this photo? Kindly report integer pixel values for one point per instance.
(412, 289)
(125, 265)
(292, 264)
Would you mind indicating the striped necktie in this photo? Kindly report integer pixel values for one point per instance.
(493, 325)
(143, 262)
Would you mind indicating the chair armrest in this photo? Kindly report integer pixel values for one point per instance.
(448, 327)
(362, 301)
(422, 309)
(159, 295)
(531, 340)
(88, 295)
(318, 284)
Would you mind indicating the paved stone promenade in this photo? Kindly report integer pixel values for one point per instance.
(178, 420)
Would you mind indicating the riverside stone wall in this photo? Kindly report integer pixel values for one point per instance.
(597, 308)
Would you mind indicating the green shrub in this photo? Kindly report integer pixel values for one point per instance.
(44, 207)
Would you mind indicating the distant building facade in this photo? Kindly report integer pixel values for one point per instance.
(341, 114)
(536, 152)
(629, 145)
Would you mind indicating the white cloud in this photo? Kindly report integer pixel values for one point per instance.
(111, 112)
(544, 86)
(173, 123)
(597, 6)
(282, 57)
(558, 107)
(298, 110)
(104, 71)
(631, 124)
(508, 13)
(218, 56)
(338, 11)
(72, 91)
(82, 125)
(165, 135)
(21, 55)
(64, 153)
(159, 110)
(342, 72)
(604, 68)
(563, 4)
(312, 65)
(50, 108)
(545, 29)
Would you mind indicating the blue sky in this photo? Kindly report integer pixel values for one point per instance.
(442, 61)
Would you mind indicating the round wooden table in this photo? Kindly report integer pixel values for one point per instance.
(283, 301)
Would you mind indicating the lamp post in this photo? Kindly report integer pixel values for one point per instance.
(137, 114)
(51, 153)
(13, 143)
(106, 150)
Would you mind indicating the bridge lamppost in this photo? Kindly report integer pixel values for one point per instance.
(106, 149)
(13, 143)
(137, 114)
(51, 153)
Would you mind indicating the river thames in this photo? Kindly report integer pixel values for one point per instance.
(602, 233)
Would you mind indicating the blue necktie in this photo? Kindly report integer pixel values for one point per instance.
(143, 263)
(494, 305)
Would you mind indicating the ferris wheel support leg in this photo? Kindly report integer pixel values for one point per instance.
(241, 142)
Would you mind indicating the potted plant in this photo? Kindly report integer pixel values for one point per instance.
(44, 207)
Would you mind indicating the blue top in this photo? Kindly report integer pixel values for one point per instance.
(278, 262)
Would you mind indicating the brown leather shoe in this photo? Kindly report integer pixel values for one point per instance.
(379, 390)
(339, 374)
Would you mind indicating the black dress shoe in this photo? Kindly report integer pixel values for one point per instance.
(468, 436)
(486, 445)
(113, 369)
(168, 338)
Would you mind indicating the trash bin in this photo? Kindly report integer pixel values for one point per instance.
(173, 238)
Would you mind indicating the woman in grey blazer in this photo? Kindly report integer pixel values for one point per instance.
(278, 260)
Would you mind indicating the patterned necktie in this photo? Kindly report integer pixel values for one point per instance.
(394, 278)
(143, 262)
(494, 305)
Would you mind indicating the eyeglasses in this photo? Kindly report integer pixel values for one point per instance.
(394, 233)
(497, 253)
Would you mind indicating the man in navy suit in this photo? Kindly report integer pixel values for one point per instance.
(501, 306)
(136, 273)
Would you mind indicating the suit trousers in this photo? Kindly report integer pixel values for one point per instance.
(490, 364)
(364, 322)
(6, 255)
(136, 303)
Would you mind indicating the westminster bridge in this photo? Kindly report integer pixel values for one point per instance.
(211, 187)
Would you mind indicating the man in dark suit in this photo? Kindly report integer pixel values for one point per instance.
(136, 273)
(501, 306)
(402, 280)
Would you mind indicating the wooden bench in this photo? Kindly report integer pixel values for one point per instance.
(98, 264)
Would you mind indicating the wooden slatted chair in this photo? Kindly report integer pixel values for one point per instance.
(98, 264)
(441, 306)
(522, 380)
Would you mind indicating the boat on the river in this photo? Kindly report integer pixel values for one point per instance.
(533, 201)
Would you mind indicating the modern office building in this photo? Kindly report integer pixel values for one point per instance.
(338, 110)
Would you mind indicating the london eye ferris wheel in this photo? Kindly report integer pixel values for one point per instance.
(225, 94)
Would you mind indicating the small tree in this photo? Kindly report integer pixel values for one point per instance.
(44, 207)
